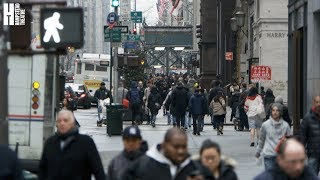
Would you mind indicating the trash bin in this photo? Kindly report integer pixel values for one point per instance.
(114, 119)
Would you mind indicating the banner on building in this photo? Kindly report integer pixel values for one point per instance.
(260, 73)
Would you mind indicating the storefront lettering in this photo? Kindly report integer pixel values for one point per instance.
(276, 35)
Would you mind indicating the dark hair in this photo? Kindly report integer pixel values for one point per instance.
(171, 132)
(201, 90)
(207, 144)
(253, 91)
(196, 91)
(244, 85)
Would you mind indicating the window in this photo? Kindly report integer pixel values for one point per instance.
(79, 65)
(101, 68)
(89, 67)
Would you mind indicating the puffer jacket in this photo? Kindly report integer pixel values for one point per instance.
(251, 105)
(309, 134)
(226, 169)
(218, 108)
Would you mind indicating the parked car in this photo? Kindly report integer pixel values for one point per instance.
(83, 94)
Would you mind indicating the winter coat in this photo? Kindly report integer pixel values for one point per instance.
(10, 167)
(309, 134)
(218, 108)
(154, 165)
(180, 101)
(276, 173)
(102, 94)
(250, 105)
(78, 159)
(154, 101)
(268, 100)
(120, 164)
(235, 101)
(226, 169)
(197, 105)
(214, 92)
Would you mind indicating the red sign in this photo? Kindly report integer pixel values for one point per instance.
(259, 73)
(229, 56)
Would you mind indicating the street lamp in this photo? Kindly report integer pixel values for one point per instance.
(237, 22)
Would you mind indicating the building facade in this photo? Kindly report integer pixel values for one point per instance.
(95, 18)
(304, 56)
(263, 41)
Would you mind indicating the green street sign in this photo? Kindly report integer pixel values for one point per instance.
(136, 16)
(116, 34)
(133, 37)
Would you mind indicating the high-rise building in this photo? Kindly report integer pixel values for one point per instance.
(95, 18)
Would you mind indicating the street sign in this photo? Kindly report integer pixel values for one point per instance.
(260, 73)
(229, 56)
(116, 34)
(129, 45)
(133, 37)
(104, 63)
(136, 16)
(124, 29)
(61, 27)
(112, 18)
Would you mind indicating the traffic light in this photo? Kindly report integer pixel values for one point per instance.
(134, 31)
(115, 3)
(199, 31)
(35, 95)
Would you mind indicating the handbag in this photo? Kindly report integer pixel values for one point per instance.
(260, 111)
(125, 101)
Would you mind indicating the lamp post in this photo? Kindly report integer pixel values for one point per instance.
(237, 22)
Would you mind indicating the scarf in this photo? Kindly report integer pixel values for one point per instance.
(67, 138)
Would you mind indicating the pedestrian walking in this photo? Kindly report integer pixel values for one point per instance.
(180, 100)
(213, 165)
(101, 94)
(197, 108)
(67, 104)
(134, 148)
(10, 167)
(234, 103)
(255, 112)
(167, 106)
(218, 106)
(168, 160)
(154, 104)
(68, 154)
(272, 131)
(309, 135)
(146, 93)
(285, 114)
(214, 91)
(204, 94)
(268, 99)
(290, 164)
(135, 98)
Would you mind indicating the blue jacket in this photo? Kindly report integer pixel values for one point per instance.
(197, 105)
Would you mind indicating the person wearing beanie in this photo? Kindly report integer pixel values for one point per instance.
(272, 131)
(285, 112)
(134, 148)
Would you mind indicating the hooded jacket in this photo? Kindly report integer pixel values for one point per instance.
(120, 164)
(154, 101)
(197, 105)
(154, 165)
(226, 169)
(180, 100)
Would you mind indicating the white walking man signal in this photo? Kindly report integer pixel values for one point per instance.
(51, 25)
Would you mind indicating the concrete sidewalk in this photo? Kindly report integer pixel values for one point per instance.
(233, 143)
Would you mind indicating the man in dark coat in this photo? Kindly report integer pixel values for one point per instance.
(69, 155)
(135, 97)
(180, 100)
(154, 104)
(290, 164)
(134, 148)
(169, 160)
(309, 135)
(10, 167)
(197, 107)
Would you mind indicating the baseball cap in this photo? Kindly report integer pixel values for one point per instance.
(131, 131)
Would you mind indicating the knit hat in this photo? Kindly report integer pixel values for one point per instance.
(278, 99)
(279, 106)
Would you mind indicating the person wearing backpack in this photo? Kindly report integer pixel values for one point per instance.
(135, 98)
(154, 104)
(218, 106)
